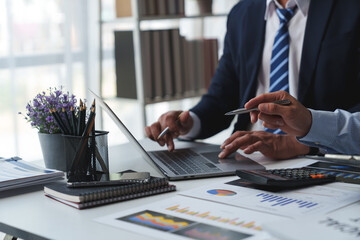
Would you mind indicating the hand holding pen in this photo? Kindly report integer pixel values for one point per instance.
(293, 118)
(170, 125)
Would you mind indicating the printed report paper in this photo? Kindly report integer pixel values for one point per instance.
(15, 173)
(319, 199)
(342, 224)
(184, 218)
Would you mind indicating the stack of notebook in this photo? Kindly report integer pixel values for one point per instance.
(87, 197)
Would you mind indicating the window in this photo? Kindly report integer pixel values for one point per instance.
(42, 44)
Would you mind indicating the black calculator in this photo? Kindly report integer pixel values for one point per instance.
(285, 178)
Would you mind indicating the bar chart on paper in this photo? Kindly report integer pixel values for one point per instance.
(295, 203)
(192, 218)
(213, 217)
(284, 201)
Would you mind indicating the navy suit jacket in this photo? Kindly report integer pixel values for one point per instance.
(329, 76)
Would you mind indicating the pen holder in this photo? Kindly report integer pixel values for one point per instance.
(86, 156)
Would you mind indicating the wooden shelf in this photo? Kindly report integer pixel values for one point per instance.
(159, 18)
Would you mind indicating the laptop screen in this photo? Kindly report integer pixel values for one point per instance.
(125, 131)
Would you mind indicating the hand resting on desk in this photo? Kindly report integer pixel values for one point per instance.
(270, 145)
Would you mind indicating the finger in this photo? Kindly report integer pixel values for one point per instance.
(169, 142)
(273, 108)
(185, 122)
(184, 116)
(240, 142)
(172, 121)
(267, 97)
(232, 138)
(155, 132)
(257, 146)
(226, 152)
(148, 133)
(254, 116)
(274, 120)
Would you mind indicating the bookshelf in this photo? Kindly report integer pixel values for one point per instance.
(134, 28)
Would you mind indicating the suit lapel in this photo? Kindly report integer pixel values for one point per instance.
(319, 13)
(255, 43)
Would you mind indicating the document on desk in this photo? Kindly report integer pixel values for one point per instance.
(295, 203)
(342, 224)
(188, 218)
(15, 172)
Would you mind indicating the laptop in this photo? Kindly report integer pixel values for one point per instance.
(186, 163)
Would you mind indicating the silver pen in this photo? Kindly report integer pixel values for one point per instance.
(167, 128)
(244, 110)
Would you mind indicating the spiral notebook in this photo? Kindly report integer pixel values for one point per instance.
(87, 197)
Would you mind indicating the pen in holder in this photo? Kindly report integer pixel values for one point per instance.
(86, 156)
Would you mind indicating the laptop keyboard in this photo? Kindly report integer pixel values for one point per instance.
(186, 162)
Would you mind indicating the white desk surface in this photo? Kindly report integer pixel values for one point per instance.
(28, 214)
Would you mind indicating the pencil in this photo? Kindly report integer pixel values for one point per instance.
(90, 123)
(83, 143)
(167, 128)
(67, 121)
(73, 120)
(79, 118)
(93, 142)
(83, 117)
(52, 111)
(61, 122)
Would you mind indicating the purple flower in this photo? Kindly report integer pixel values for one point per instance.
(58, 93)
(36, 103)
(38, 110)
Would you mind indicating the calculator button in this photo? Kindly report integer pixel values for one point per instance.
(317, 176)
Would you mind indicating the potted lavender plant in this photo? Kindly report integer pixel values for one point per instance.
(39, 116)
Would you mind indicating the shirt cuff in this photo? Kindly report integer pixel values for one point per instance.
(320, 134)
(195, 130)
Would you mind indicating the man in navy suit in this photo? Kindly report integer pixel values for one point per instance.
(323, 72)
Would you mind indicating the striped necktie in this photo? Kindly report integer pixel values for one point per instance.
(279, 65)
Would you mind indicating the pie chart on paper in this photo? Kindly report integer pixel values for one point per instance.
(221, 192)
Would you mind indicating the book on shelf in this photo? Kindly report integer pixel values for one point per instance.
(178, 62)
(158, 65)
(214, 48)
(125, 65)
(210, 60)
(152, 7)
(200, 68)
(190, 61)
(172, 66)
(147, 64)
(172, 7)
(167, 65)
(15, 173)
(123, 8)
(162, 7)
(87, 197)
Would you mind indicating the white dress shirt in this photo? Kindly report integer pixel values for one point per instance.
(296, 27)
